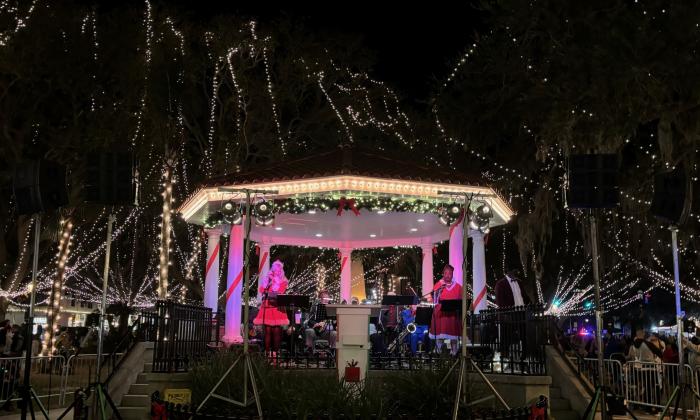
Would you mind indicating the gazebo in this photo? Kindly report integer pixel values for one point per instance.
(346, 199)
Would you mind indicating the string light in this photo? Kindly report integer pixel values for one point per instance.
(166, 229)
(21, 21)
(54, 309)
(283, 145)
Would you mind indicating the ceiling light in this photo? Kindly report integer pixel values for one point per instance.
(278, 228)
(421, 220)
(372, 235)
(312, 211)
(414, 229)
(318, 235)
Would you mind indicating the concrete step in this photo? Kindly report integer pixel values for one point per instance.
(130, 400)
(135, 413)
(554, 392)
(139, 389)
(565, 415)
(163, 377)
(559, 404)
(142, 378)
(148, 367)
(149, 389)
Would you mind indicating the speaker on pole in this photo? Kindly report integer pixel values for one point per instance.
(39, 185)
(673, 196)
(593, 181)
(109, 178)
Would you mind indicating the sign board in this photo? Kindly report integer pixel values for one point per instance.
(178, 396)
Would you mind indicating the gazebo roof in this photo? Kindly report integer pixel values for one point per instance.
(345, 161)
(351, 173)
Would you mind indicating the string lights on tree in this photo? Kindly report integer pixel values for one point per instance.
(166, 229)
(53, 314)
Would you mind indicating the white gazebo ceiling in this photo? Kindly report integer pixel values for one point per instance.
(368, 230)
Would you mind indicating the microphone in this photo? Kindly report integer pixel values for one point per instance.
(414, 292)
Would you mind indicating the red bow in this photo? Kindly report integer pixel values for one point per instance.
(345, 202)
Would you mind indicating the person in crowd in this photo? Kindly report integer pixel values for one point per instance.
(269, 315)
(4, 328)
(17, 345)
(317, 324)
(670, 355)
(646, 356)
(446, 325)
(693, 348)
(614, 347)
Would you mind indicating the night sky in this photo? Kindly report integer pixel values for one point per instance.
(414, 45)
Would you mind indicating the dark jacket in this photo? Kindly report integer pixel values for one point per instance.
(504, 294)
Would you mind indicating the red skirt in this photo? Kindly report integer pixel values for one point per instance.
(445, 325)
(270, 315)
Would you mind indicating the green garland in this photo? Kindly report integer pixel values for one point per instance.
(306, 204)
(299, 205)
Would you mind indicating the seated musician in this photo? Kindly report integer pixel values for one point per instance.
(390, 321)
(317, 326)
(408, 316)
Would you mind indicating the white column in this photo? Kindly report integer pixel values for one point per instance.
(345, 275)
(427, 270)
(479, 301)
(211, 270)
(456, 255)
(234, 285)
(264, 263)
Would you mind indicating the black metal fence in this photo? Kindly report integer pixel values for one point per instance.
(182, 334)
(513, 340)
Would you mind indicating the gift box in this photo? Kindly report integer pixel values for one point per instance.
(352, 372)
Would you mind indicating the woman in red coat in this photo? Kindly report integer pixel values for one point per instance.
(269, 315)
(446, 325)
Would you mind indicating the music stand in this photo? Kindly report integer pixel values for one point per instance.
(453, 305)
(293, 302)
(424, 315)
(397, 300)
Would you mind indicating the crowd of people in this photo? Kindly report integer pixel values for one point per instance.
(647, 360)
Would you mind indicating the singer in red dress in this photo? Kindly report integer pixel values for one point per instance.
(446, 325)
(269, 315)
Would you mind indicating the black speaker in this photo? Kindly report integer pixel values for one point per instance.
(672, 196)
(109, 178)
(593, 181)
(39, 185)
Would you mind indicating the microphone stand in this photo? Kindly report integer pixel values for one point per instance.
(266, 302)
(436, 297)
